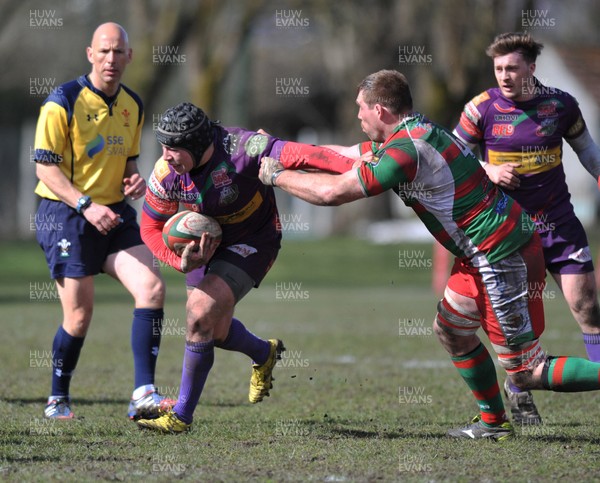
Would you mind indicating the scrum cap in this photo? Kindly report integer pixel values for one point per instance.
(185, 126)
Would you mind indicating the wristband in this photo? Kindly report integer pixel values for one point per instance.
(83, 203)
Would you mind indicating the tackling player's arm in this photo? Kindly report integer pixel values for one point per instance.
(394, 165)
(321, 188)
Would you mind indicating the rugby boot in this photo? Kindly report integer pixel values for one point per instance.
(262, 375)
(59, 408)
(477, 430)
(167, 422)
(522, 407)
(149, 406)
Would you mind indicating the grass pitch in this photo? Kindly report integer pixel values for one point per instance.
(363, 393)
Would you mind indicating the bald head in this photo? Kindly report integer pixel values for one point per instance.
(109, 54)
(110, 30)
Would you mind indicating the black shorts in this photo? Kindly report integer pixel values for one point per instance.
(242, 266)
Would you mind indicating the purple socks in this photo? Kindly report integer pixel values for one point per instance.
(197, 362)
(592, 346)
(240, 339)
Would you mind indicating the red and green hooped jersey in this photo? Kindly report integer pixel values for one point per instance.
(443, 182)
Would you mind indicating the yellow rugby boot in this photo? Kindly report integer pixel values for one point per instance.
(262, 376)
(167, 422)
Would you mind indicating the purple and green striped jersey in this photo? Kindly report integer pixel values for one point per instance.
(443, 182)
(530, 133)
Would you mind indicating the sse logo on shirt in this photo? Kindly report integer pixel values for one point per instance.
(114, 140)
(116, 146)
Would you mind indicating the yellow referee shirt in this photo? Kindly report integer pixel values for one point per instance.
(90, 136)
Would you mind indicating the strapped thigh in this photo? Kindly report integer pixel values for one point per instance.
(453, 319)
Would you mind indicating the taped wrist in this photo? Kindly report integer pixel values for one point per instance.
(306, 156)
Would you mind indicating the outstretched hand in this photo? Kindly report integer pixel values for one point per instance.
(196, 254)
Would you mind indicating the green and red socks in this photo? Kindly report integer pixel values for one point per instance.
(570, 374)
(478, 370)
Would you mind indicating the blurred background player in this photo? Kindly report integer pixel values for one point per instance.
(498, 275)
(86, 147)
(519, 128)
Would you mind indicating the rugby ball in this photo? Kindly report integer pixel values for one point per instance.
(187, 226)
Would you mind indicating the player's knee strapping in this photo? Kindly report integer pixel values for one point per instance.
(522, 357)
(454, 320)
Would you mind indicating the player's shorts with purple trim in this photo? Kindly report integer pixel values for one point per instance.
(73, 247)
(566, 248)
